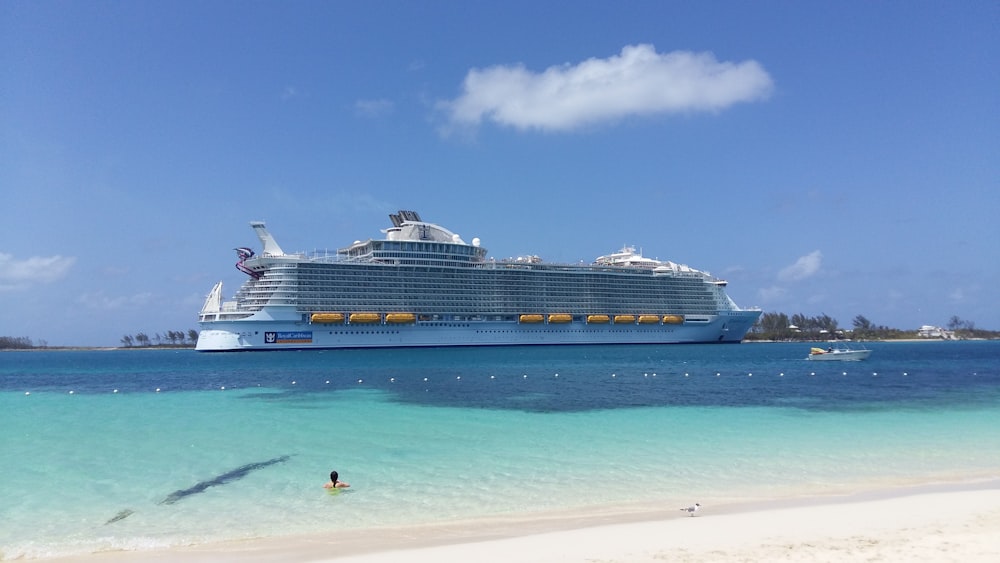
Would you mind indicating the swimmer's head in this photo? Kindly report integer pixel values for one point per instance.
(333, 477)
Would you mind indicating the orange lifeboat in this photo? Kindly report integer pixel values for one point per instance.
(365, 317)
(327, 318)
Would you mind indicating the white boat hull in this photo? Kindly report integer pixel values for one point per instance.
(297, 335)
(840, 356)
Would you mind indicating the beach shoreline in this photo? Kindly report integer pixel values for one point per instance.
(938, 521)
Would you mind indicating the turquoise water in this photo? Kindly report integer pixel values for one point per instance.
(441, 435)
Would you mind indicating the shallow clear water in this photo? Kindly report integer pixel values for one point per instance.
(432, 435)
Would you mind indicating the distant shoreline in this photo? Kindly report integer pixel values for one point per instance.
(93, 348)
(126, 348)
(874, 340)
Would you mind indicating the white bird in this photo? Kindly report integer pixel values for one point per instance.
(691, 509)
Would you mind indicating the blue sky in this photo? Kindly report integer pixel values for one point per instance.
(836, 158)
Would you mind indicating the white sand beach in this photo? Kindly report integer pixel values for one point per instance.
(934, 523)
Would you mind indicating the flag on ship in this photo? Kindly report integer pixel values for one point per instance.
(244, 253)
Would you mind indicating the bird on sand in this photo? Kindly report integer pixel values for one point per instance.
(691, 509)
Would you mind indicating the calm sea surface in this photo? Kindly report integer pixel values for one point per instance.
(149, 449)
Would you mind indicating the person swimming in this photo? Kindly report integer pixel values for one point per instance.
(335, 482)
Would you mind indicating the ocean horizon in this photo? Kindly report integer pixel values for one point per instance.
(152, 449)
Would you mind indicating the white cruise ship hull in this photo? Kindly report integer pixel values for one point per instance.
(277, 335)
(423, 286)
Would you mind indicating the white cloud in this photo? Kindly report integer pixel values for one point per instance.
(769, 294)
(22, 274)
(637, 81)
(373, 108)
(803, 268)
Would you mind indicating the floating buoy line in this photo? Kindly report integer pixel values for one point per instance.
(554, 376)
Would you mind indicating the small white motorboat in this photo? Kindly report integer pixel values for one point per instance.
(839, 353)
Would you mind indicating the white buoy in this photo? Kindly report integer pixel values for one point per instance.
(425, 379)
(493, 377)
(782, 374)
(327, 381)
(293, 383)
(157, 389)
(904, 373)
(525, 376)
(26, 393)
(749, 375)
(223, 388)
(70, 392)
(361, 381)
(392, 380)
(459, 378)
(115, 391)
(613, 375)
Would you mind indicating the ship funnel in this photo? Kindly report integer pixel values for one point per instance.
(266, 240)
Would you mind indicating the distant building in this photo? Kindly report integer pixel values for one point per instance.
(928, 331)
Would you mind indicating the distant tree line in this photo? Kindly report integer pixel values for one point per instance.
(168, 338)
(779, 326)
(967, 329)
(15, 343)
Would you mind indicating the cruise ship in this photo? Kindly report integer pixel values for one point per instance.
(422, 285)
